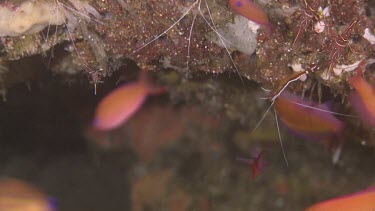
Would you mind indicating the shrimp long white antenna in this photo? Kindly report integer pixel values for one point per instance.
(277, 126)
(55, 34)
(69, 20)
(266, 90)
(280, 140)
(323, 110)
(82, 14)
(213, 27)
(264, 116)
(189, 41)
(75, 47)
(165, 31)
(58, 12)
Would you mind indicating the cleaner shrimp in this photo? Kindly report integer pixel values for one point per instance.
(307, 106)
(78, 14)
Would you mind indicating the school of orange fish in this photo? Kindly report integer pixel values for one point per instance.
(305, 118)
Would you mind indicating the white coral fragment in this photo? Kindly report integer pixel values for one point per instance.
(347, 68)
(325, 75)
(298, 68)
(33, 16)
(326, 11)
(253, 26)
(28, 18)
(237, 35)
(319, 27)
(369, 36)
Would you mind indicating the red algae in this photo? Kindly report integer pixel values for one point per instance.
(257, 163)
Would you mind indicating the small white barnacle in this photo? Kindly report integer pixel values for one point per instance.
(324, 12)
(320, 25)
(338, 69)
(369, 36)
(297, 67)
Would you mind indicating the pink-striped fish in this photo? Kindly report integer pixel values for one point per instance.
(250, 10)
(363, 100)
(120, 104)
(307, 118)
(16, 195)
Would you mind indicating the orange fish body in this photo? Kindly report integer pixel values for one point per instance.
(119, 105)
(363, 100)
(361, 201)
(307, 121)
(249, 10)
(16, 195)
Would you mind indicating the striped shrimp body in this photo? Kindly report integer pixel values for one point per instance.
(339, 43)
(337, 46)
(309, 15)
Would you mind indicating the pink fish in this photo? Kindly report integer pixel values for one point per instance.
(250, 10)
(257, 164)
(307, 118)
(119, 105)
(363, 100)
(360, 201)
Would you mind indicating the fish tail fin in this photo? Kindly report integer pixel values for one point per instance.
(361, 67)
(360, 70)
(144, 76)
(334, 146)
(152, 89)
(52, 204)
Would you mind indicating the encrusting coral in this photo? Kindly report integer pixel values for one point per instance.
(101, 36)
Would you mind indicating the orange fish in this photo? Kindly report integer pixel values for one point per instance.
(307, 118)
(119, 105)
(16, 195)
(250, 10)
(360, 201)
(363, 100)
